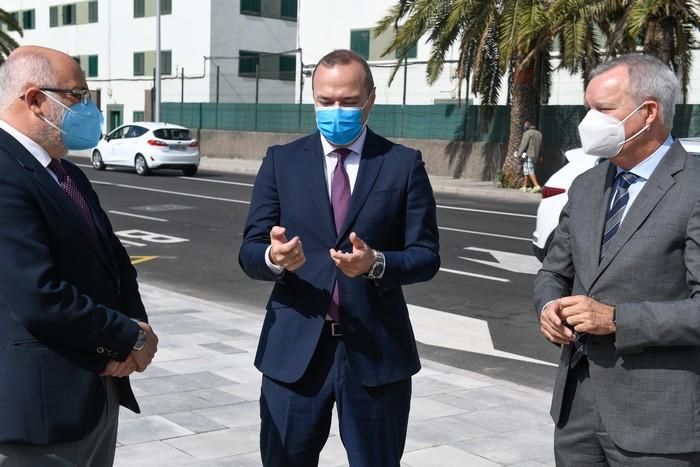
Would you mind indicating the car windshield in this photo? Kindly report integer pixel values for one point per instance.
(177, 134)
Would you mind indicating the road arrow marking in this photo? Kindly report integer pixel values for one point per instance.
(513, 262)
(448, 330)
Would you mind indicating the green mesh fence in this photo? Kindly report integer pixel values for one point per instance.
(441, 121)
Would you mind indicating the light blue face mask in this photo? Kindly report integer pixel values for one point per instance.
(81, 126)
(340, 125)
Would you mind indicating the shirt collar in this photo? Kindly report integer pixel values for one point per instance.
(30, 145)
(355, 147)
(645, 168)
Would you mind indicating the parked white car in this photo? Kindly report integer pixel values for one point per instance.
(146, 146)
(555, 196)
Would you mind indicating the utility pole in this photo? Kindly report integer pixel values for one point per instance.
(157, 100)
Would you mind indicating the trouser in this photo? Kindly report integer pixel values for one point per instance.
(95, 450)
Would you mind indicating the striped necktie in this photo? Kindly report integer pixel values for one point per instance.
(612, 225)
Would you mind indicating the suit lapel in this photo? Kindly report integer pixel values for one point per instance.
(596, 211)
(370, 164)
(660, 181)
(315, 173)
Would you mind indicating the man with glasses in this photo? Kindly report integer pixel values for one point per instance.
(72, 323)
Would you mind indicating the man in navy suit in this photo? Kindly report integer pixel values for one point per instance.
(339, 220)
(72, 324)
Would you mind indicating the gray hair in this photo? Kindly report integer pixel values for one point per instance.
(650, 79)
(21, 70)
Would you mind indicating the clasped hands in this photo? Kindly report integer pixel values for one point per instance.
(580, 313)
(290, 254)
(138, 360)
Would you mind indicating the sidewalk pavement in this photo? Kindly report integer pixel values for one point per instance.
(441, 184)
(199, 401)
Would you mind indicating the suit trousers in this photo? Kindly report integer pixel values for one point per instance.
(95, 450)
(581, 440)
(296, 417)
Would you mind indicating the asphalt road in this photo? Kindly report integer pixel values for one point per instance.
(184, 234)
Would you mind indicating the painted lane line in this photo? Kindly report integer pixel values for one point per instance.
(83, 165)
(139, 216)
(130, 243)
(486, 234)
(513, 262)
(226, 182)
(471, 274)
(452, 331)
(169, 192)
(485, 211)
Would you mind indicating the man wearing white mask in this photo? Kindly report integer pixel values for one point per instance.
(339, 220)
(620, 287)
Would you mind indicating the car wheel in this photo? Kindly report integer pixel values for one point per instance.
(140, 165)
(97, 163)
(190, 171)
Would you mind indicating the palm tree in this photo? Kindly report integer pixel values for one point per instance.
(7, 43)
(663, 28)
(496, 38)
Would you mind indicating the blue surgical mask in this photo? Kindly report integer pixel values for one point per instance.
(81, 125)
(340, 125)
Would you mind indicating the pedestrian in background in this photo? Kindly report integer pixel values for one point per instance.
(72, 323)
(619, 289)
(529, 150)
(339, 220)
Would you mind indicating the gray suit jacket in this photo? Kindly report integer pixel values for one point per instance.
(647, 375)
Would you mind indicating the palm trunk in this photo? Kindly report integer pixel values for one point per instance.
(523, 106)
(659, 39)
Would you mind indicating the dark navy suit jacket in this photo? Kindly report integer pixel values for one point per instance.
(392, 209)
(67, 296)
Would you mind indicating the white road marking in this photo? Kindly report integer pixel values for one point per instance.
(448, 330)
(158, 219)
(513, 262)
(199, 179)
(471, 274)
(130, 243)
(169, 192)
(484, 211)
(486, 234)
(150, 236)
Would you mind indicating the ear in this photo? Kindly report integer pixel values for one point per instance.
(34, 99)
(652, 112)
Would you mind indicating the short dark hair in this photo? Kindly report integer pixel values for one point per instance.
(344, 57)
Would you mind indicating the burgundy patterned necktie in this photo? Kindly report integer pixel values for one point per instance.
(340, 201)
(72, 191)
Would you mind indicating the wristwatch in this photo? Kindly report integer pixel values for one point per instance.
(140, 340)
(377, 270)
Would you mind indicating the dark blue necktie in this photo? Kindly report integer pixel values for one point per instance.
(612, 225)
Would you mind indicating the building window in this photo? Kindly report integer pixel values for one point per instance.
(93, 67)
(166, 7)
(139, 9)
(28, 19)
(139, 116)
(53, 16)
(139, 65)
(92, 12)
(247, 63)
(166, 62)
(68, 14)
(250, 7)
(359, 42)
(289, 9)
(288, 64)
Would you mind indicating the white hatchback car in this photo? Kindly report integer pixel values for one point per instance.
(146, 146)
(555, 196)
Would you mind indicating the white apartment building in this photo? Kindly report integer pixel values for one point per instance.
(326, 25)
(217, 45)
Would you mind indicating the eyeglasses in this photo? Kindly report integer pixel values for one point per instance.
(83, 94)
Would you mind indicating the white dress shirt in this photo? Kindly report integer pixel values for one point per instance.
(30, 145)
